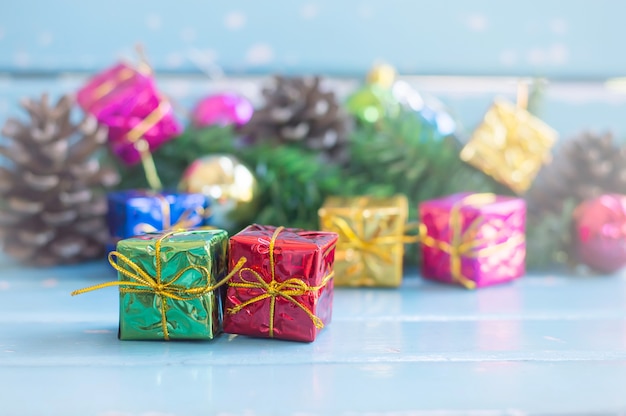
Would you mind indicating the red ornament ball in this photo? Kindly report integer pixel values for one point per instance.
(227, 109)
(601, 232)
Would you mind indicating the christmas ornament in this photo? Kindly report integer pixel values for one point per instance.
(286, 289)
(167, 283)
(223, 110)
(385, 97)
(584, 167)
(428, 109)
(371, 241)
(138, 211)
(383, 75)
(139, 118)
(53, 204)
(299, 111)
(510, 145)
(601, 232)
(106, 91)
(374, 100)
(229, 184)
(371, 104)
(473, 240)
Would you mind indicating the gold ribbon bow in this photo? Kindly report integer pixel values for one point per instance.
(460, 245)
(184, 221)
(143, 282)
(373, 246)
(271, 290)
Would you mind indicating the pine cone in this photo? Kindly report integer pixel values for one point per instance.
(297, 110)
(51, 211)
(584, 167)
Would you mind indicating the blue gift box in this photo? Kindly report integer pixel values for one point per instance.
(135, 212)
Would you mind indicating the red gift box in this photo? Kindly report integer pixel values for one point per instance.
(286, 291)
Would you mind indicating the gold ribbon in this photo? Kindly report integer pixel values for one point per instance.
(151, 120)
(374, 246)
(135, 136)
(109, 85)
(142, 282)
(287, 289)
(184, 221)
(459, 245)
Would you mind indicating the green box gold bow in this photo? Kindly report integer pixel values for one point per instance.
(169, 284)
(371, 241)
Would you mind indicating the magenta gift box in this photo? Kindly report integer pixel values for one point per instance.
(474, 240)
(128, 103)
(112, 88)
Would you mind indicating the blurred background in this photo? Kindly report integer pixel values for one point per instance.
(463, 52)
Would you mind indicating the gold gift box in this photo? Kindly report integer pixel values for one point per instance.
(371, 230)
(510, 145)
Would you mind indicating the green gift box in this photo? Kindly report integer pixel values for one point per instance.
(170, 284)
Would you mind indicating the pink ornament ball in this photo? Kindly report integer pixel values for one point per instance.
(224, 109)
(601, 233)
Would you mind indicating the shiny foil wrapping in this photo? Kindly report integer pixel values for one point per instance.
(135, 212)
(370, 247)
(127, 101)
(490, 245)
(307, 256)
(200, 318)
(600, 230)
(111, 88)
(510, 145)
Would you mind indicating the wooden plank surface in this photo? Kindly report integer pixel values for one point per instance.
(546, 344)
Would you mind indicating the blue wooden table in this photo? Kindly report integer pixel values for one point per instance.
(548, 344)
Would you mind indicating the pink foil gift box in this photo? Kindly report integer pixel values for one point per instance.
(106, 91)
(127, 101)
(474, 240)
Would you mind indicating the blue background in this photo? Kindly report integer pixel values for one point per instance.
(556, 38)
(200, 47)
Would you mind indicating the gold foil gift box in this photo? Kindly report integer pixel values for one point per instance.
(510, 145)
(371, 241)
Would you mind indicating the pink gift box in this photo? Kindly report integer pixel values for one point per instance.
(127, 101)
(108, 90)
(474, 240)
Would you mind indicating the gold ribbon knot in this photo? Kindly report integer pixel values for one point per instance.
(287, 289)
(371, 245)
(462, 244)
(142, 282)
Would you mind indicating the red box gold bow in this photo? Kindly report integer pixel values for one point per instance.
(286, 290)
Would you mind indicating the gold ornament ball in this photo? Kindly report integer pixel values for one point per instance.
(383, 75)
(230, 186)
